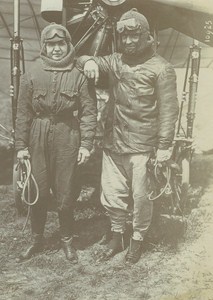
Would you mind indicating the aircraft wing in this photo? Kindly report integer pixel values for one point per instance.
(191, 17)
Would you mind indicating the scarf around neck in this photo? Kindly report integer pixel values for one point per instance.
(65, 64)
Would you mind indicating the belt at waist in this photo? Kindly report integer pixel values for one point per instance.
(55, 118)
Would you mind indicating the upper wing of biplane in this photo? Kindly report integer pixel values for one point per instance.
(191, 17)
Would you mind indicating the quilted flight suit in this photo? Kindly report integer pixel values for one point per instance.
(56, 115)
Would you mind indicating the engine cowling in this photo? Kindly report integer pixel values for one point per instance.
(113, 2)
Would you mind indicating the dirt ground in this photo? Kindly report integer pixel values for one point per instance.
(176, 264)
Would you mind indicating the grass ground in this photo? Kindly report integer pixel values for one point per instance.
(176, 263)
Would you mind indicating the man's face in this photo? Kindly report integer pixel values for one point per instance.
(133, 41)
(56, 50)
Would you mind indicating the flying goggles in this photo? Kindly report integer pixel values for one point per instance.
(128, 24)
(55, 34)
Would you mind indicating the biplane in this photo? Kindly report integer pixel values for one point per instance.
(92, 24)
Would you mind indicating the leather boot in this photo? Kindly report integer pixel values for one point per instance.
(69, 250)
(115, 246)
(134, 251)
(35, 247)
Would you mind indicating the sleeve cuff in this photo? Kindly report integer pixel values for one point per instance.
(19, 145)
(87, 145)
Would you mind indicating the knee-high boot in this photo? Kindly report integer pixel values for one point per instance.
(38, 219)
(66, 231)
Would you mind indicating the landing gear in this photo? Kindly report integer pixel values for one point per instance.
(182, 153)
(181, 176)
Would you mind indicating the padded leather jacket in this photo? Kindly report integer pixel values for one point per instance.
(143, 105)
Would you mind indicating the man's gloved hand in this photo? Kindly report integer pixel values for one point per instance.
(22, 155)
(163, 155)
(83, 155)
(91, 70)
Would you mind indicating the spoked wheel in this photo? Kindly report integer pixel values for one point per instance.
(180, 178)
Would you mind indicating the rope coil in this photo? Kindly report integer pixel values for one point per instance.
(167, 189)
(158, 170)
(25, 185)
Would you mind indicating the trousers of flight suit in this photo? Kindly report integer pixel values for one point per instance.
(125, 189)
(54, 148)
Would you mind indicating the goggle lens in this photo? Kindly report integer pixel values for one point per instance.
(55, 31)
(129, 24)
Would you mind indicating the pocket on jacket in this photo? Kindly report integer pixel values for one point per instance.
(145, 91)
(39, 94)
(70, 97)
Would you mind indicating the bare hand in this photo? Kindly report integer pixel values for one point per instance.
(22, 155)
(163, 155)
(83, 155)
(91, 70)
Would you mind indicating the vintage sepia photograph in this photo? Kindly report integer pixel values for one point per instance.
(106, 149)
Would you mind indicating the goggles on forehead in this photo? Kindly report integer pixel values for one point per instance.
(53, 32)
(128, 24)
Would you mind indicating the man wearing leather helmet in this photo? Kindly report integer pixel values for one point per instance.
(143, 110)
(55, 127)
